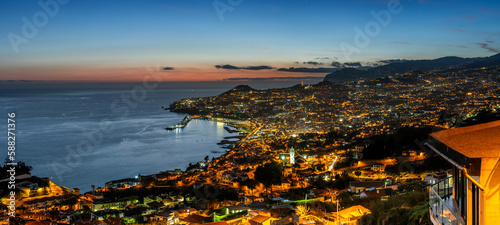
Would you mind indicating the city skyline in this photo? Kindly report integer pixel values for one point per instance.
(217, 40)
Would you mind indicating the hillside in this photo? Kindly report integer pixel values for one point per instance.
(401, 67)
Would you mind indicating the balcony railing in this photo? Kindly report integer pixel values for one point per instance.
(441, 202)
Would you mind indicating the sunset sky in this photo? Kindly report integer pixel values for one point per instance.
(185, 40)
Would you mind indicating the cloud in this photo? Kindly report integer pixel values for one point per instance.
(308, 70)
(387, 61)
(457, 30)
(168, 68)
(231, 67)
(352, 64)
(257, 68)
(227, 67)
(487, 47)
(313, 63)
(468, 31)
(336, 64)
(346, 64)
(487, 11)
(11, 81)
(322, 58)
(447, 45)
(272, 78)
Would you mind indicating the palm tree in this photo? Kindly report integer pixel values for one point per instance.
(304, 212)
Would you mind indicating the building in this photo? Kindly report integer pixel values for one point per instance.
(360, 186)
(103, 214)
(472, 194)
(434, 177)
(377, 193)
(378, 168)
(167, 217)
(260, 220)
(350, 215)
(357, 153)
(104, 204)
(123, 183)
(287, 171)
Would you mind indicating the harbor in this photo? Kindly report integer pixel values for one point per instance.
(181, 124)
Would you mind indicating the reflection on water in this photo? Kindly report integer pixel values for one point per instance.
(50, 126)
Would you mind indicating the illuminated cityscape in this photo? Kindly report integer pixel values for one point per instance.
(250, 112)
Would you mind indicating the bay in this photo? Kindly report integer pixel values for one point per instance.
(79, 135)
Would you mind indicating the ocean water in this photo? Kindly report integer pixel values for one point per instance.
(79, 135)
(77, 138)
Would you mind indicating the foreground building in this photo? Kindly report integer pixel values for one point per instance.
(350, 215)
(472, 194)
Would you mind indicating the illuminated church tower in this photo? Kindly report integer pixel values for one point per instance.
(292, 155)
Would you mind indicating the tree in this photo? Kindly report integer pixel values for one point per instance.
(304, 212)
(342, 180)
(206, 158)
(251, 184)
(344, 197)
(269, 174)
(147, 181)
(357, 173)
(21, 168)
(54, 214)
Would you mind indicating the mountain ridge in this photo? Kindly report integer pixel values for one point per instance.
(425, 65)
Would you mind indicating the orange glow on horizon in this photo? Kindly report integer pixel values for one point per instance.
(139, 74)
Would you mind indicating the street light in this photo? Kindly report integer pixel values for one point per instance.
(338, 221)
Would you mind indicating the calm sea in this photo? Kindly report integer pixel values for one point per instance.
(89, 134)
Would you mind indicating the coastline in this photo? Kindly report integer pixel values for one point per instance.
(235, 124)
(142, 129)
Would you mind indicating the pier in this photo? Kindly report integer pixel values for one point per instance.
(230, 130)
(181, 124)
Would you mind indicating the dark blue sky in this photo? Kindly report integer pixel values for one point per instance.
(116, 40)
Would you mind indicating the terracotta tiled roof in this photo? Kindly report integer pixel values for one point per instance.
(194, 218)
(155, 204)
(37, 223)
(260, 218)
(379, 192)
(217, 223)
(478, 141)
(353, 212)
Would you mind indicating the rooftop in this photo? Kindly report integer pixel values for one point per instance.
(260, 218)
(352, 212)
(367, 184)
(478, 141)
(217, 223)
(379, 193)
